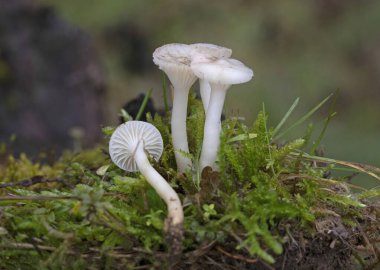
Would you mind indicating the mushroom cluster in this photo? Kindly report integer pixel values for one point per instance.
(216, 71)
(134, 141)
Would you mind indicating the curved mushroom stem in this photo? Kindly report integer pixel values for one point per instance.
(166, 192)
(212, 127)
(205, 90)
(178, 128)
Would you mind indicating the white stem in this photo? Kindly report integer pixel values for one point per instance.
(166, 192)
(212, 127)
(178, 126)
(205, 91)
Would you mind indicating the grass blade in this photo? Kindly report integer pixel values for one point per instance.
(304, 118)
(363, 168)
(327, 121)
(143, 104)
(271, 161)
(319, 139)
(164, 91)
(286, 116)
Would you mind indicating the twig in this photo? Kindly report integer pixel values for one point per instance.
(26, 246)
(119, 255)
(215, 263)
(195, 254)
(33, 181)
(37, 198)
(235, 256)
(238, 239)
(119, 195)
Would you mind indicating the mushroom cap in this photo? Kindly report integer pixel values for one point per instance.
(174, 53)
(209, 51)
(174, 59)
(125, 139)
(222, 71)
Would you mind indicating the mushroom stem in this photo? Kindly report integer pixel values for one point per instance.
(205, 91)
(212, 126)
(178, 128)
(166, 192)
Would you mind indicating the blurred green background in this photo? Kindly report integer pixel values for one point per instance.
(305, 49)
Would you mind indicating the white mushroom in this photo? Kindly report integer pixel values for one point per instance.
(205, 52)
(129, 146)
(221, 74)
(174, 60)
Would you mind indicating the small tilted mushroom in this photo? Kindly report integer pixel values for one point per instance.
(205, 52)
(221, 74)
(128, 148)
(174, 60)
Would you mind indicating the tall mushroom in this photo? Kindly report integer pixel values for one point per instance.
(128, 147)
(174, 60)
(221, 74)
(205, 52)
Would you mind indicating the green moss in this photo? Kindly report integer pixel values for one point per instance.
(98, 214)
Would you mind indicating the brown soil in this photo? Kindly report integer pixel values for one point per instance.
(332, 245)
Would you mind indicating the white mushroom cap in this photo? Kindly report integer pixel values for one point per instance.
(209, 51)
(222, 71)
(174, 59)
(125, 140)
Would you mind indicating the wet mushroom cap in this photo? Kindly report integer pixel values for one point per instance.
(125, 139)
(223, 71)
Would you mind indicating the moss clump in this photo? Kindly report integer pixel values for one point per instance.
(84, 212)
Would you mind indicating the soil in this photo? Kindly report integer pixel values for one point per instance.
(333, 246)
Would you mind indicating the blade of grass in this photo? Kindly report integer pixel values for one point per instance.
(320, 137)
(125, 116)
(164, 91)
(143, 104)
(327, 121)
(271, 161)
(309, 132)
(304, 118)
(367, 169)
(341, 169)
(325, 180)
(286, 116)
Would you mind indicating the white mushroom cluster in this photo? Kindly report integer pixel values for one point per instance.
(132, 142)
(216, 71)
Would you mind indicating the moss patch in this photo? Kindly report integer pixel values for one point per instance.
(268, 206)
